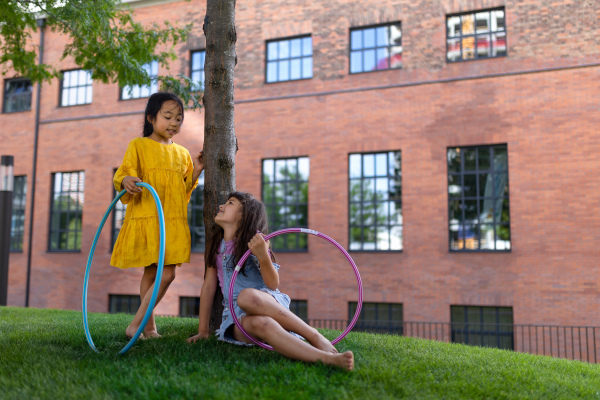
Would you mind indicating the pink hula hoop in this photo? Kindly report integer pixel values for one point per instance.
(239, 265)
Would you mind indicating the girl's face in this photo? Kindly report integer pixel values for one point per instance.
(229, 213)
(167, 122)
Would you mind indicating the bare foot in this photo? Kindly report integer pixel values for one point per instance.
(130, 331)
(320, 342)
(151, 334)
(342, 360)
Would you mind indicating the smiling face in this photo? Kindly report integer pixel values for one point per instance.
(167, 122)
(230, 213)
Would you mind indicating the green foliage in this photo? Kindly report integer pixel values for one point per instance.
(44, 354)
(105, 40)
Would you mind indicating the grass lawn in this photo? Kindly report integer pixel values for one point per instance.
(44, 355)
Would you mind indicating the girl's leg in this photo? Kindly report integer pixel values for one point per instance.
(254, 302)
(167, 279)
(267, 329)
(145, 284)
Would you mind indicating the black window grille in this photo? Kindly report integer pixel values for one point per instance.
(189, 306)
(17, 95)
(118, 215)
(66, 210)
(378, 317)
(376, 48)
(289, 59)
(123, 303)
(476, 35)
(375, 197)
(76, 88)
(300, 308)
(483, 326)
(196, 217)
(197, 68)
(285, 195)
(140, 91)
(17, 228)
(479, 218)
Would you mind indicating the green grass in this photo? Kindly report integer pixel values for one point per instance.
(44, 355)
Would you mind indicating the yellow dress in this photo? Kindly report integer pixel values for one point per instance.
(169, 170)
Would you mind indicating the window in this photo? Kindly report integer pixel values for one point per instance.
(196, 216)
(285, 194)
(289, 59)
(375, 48)
(300, 308)
(76, 88)
(189, 306)
(483, 326)
(475, 35)
(66, 210)
(197, 68)
(17, 95)
(123, 303)
(377, 317)
(139, 91)
(18, 213)
(375, 209)
(118, 215)
(478, 199)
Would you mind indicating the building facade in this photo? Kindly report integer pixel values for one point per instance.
(450, 146)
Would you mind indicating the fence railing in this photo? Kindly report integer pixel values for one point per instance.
(570, 342)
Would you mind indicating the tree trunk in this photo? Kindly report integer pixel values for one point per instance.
(220, 144)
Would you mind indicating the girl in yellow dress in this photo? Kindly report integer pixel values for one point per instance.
(173, 173)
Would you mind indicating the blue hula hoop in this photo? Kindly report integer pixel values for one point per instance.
(159, 270)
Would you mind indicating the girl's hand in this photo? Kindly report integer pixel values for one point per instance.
(199, 336)
(128, 184)
(259, 247)
(198, 162)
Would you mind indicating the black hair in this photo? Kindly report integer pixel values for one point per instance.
(154, 105)
(254, 218)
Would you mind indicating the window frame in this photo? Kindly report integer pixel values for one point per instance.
(152, 77)
(350, 202)
(289, 38)
(295, 307)
(298, 182)
(478, 199)
(373, 325)
(129, 298)
(52, 211)
(461, 36)
(18, 196)
(62, 87)
(4, 97)
(196, 302)
(192, 209)
(119, 207)
(362, 28)
(479, 326)
(192, 70)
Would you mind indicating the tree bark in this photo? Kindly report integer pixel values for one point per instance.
(220, 143)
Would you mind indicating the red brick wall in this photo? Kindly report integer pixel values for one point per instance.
(548, 120)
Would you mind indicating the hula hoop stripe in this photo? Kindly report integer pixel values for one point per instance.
(159, 270)
(239, 265)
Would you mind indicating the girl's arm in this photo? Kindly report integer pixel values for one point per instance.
(260, 248)
(198, 166)
(209, 288)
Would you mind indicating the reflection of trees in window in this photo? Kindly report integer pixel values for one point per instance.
(375, 201)
(483, 326)
(196, 216)
(66, 211)
(478, 210)
(285, 194)
(378, 317)
(17, 95)
(17, 227)
(474, 35)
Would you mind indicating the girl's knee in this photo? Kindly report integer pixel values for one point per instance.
(248, 298)
(260, 323)
(168, 274)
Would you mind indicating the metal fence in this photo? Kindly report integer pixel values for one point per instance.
(570, 342)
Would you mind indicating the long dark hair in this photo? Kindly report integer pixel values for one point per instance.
(154, 105)
(254, 218)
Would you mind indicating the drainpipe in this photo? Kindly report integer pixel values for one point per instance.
(33, 174)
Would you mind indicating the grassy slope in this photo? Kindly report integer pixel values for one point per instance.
(44, 354)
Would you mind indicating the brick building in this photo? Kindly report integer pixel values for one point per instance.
(392, 126)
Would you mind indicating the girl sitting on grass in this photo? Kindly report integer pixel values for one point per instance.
(262, 309)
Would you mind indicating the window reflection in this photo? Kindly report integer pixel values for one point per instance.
(476, 35)
(289, 59)
(376, 48)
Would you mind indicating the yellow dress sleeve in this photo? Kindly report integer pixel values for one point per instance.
(189, 176)
(129, 167)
